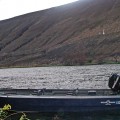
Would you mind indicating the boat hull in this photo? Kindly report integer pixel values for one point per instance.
(62, 103)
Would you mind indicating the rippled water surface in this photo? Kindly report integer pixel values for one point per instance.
(95, 76)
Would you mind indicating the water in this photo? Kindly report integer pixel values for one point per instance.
(95, 76)
(70, 116)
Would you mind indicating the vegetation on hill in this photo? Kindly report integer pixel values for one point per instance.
(84, 32)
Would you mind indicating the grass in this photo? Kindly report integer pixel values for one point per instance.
(54, 65)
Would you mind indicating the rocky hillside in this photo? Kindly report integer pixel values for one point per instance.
(82, 32)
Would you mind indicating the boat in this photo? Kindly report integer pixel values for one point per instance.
(65, 100)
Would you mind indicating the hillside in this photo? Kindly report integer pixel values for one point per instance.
(81, 32)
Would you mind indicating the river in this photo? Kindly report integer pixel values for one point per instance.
(94, 76)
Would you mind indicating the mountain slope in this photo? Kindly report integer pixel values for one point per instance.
(80, 32)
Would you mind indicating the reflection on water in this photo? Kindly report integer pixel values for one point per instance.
(71, 116)
(95, 76)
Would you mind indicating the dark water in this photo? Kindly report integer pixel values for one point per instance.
(70, 116)
(95, 76)
(78, 116)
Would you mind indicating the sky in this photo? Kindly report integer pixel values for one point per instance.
(12, 8)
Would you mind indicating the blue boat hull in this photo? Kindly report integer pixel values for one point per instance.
(63, 104)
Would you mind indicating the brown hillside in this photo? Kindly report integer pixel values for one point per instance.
(77, 33)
